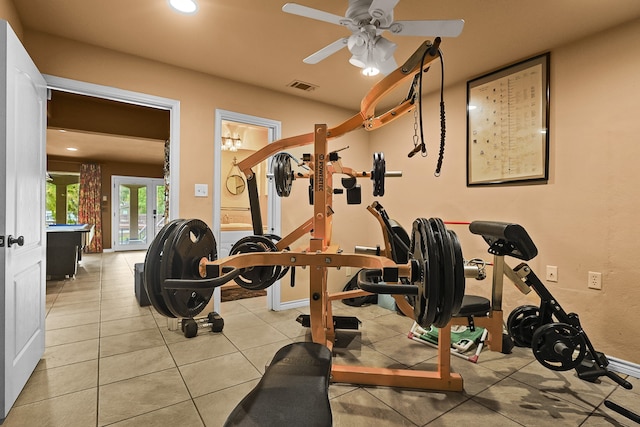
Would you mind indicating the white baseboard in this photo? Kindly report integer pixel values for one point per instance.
(624, 367)
(293, 304)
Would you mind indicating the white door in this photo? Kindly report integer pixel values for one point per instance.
(138, 211)
(23, 98)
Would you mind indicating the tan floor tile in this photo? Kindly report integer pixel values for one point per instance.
(204, 346)
(419, 406)
(291, 329)
(123, 326)
(63, 309)
(67, 354)
(404, 350)
(254, 304)
(53, 382)
(606, 417)
(70, 410)
(129, 365)
(122, 312)
(70, 320)
(182, 414)
(256, 336)
(271, 316)
(218, 373)
(125, 399)
(55, 337)
(529, 406)
(360, 409)
(215, 407)
(243, 320)
(261, 357)
(471, 413)
(565, 385)
(132, 341)
(228, 308)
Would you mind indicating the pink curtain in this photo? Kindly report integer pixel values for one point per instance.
(89, 206)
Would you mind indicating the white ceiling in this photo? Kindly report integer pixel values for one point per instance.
(254, 42)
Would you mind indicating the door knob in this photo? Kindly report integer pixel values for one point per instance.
(11, 240)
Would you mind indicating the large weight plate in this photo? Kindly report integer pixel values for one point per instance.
(434, 275)
(459, 278)
(258, 277)
(184, 248)
(153, 266)
(559, 346)
(446, 291)
(522, 323)
(417, 250)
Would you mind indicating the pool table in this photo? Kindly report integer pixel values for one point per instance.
(64, 247)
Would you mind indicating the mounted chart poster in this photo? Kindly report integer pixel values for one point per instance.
(507, 124)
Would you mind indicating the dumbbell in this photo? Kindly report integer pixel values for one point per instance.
(213, 320)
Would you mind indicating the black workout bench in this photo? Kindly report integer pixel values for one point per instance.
(292, 392)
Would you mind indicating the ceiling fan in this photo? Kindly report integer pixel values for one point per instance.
(367, 20)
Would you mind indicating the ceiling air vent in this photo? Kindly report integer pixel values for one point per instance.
(297, 84)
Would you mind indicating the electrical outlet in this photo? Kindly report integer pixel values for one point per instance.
(347, 271)
(552, 273)
(595, 280)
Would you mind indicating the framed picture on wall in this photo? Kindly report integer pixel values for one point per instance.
(508, 124)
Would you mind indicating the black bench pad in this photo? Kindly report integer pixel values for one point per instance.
(292, 392)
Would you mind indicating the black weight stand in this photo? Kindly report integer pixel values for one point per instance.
(559, 345)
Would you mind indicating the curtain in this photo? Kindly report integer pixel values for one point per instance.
(166, 181)
(89, 204)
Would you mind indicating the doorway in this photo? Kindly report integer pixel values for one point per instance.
(236, 136)
(137, 211)
(140, 99)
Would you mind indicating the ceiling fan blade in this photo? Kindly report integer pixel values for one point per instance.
(308, 12)
(326, 51)
(441, 28)
(381, 8)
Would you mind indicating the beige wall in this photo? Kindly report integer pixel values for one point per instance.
(199, 96)
(9, 14)
(584, 219)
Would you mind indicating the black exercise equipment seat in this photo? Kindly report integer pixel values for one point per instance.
(292, 392)
(505, 239)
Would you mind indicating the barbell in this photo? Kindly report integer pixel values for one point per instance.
(175, 282)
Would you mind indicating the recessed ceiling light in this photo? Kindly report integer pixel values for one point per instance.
(184, 6)
(72, 149)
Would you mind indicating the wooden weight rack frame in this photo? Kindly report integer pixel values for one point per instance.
(322, 254)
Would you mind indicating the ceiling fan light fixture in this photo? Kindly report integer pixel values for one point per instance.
(184, 6)
(359, 61)
(383, 49)
(371, 70)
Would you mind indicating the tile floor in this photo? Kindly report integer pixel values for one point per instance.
(110, 362)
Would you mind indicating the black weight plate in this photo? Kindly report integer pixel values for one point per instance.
(447, 283)
(183, 250)
(514, 324)
(153, 267)
(459, 279)
(275, 238)
(257, 277)
(526, 328)
(417, 249)
(377, 175)
(282, 174)
(559, 346)
(434, 275)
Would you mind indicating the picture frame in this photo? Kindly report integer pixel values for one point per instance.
(508, 124)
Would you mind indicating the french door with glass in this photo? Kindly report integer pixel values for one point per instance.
(138, 211)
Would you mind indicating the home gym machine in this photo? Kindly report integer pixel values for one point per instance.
(182, 269)
(556, 337)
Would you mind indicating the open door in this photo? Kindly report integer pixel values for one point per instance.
(23, 98)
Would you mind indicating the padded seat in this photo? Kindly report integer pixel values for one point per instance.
(292, 392)
(473, 305)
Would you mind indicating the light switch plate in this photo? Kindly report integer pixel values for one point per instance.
(202, 190)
